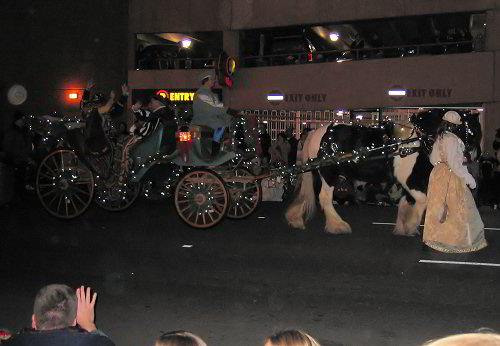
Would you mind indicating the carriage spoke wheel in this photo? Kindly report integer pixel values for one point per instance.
(64, 184)
(245, 195)
(115, 196)
(201, 198)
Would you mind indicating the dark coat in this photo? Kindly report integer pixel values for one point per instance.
(58, 337)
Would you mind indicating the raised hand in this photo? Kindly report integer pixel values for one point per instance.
(124, 89)
(85, 309)
(90, 84)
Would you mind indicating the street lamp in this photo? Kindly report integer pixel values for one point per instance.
(334, 36)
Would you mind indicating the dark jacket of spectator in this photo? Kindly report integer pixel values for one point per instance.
(71, 336)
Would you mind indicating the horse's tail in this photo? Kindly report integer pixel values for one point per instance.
(303, 206)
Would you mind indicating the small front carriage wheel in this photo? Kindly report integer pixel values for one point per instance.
(201, 198)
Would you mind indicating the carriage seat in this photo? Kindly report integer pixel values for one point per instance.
(201, 150)
(148, 146)
(205, 135)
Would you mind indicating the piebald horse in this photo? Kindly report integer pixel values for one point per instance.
(412, 171)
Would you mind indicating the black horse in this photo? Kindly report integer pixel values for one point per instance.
(412, 170)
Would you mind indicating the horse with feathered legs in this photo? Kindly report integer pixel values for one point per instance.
(412, 170)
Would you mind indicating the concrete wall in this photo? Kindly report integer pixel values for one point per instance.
(492, 108)
(359, 84)
(203, 15)
(265, 13)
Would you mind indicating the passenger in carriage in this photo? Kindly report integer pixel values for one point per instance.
(149, 112)
(156, 109)
(94, 107)
(452, 221)
(209, 111)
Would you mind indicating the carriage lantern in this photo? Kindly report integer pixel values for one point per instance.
(184, 144)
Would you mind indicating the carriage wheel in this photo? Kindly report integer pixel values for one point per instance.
(201, 198)
(115, 196)
(245, 196)
(64, 184)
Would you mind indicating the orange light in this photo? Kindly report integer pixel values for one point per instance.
(184, 136)
(162, 93)
(73, 96)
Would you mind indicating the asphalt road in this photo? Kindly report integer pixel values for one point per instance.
(243, 280)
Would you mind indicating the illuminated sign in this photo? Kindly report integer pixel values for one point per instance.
(176, 96)
(73, 96)
(397, 92)
(275, 97)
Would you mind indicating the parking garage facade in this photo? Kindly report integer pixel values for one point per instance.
(303, 64)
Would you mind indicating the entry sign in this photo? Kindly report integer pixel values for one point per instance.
(176, 96)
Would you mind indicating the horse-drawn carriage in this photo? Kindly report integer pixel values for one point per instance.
(206, 187)
(209, 186)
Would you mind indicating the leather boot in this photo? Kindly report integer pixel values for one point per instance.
(215, 148)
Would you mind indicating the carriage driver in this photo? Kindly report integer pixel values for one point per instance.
(209, 111)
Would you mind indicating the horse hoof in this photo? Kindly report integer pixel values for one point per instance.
(341, 228)
(405, 233)
(297, 224)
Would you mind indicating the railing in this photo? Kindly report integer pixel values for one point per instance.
(166, 63)
(364, 53)
(278, 121)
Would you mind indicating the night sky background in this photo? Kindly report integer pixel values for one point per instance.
(48, 46)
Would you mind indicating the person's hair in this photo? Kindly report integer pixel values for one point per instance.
(470, 339)
(446, 126)
(283, 135)
(55, 307)
(291, 337)
(179, 338)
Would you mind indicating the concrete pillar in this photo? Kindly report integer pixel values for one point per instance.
(492, 109)
(492, 122)
(231, 45)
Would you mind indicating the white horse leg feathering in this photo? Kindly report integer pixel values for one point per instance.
(409, 216)
(304, 205)
(334, 223)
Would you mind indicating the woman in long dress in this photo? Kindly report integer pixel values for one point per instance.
(452, 221)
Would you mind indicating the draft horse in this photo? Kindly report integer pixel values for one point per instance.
(412, 170)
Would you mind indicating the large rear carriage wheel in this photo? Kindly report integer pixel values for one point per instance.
(64, 184)
(201, 198)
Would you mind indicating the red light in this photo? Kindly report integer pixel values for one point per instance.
(73, 96)
(184, 136)
(310, 57)
(228, 81)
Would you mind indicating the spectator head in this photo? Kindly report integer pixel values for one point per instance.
(281, 137)
(54, 308)
(207, 79)
(291, 337)
(470, 339)
(157, 101)
(179, 338)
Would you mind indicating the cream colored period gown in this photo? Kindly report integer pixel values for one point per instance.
(460, 229)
